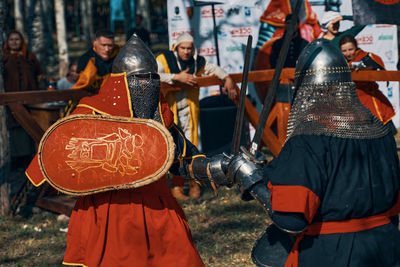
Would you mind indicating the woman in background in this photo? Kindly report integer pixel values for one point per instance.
(368, 92)
(22, 72)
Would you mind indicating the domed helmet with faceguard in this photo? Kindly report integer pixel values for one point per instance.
(325, 98)
(140, 65)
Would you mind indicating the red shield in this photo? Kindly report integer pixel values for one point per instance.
(86, 154)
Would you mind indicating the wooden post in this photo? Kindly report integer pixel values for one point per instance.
(5, 186)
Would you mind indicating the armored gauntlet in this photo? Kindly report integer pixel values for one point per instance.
(245, 170)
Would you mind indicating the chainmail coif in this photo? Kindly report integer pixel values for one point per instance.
(334, 110)
(145, 94)
(326, 101)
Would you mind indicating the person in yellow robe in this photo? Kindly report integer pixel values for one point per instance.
(182, 64)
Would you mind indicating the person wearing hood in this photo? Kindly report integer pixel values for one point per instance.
(22, 72)
(183, 65)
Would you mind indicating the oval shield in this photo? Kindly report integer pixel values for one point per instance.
(86, 154)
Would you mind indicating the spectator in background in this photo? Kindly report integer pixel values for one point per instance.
(22, 72)
(183, 65)
(368, 92)
(95, 65)
(330, 24)
(72, 77)
(140, 31)
(272, 28)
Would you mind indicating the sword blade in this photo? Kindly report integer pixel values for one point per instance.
(241, 103)
(275, 79)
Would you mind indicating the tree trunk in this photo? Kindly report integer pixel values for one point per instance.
(19, 18)
(61, 38)
(47, 14)
(40, 40)
(35, 31)
(128, 17)
(5, 186)
(87, 21)
(77, 19)
(143, 6)
(90, 18)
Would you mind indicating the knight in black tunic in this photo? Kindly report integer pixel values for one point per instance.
(335, 185)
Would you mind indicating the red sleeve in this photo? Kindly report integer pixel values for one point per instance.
(294, 198)
(33, 172)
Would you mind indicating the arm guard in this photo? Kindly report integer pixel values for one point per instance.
(212, 169)
(198, 168)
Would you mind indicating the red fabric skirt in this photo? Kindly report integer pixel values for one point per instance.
(135, 227)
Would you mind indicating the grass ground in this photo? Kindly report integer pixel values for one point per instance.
(224, 229)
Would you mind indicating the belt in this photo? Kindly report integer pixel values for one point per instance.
(336, 227)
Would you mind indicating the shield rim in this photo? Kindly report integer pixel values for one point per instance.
(139, 183)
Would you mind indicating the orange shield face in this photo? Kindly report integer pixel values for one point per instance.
(86, 154)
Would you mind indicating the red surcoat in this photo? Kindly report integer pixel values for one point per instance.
(135, 227)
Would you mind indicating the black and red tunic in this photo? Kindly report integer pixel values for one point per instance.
(346, 192)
